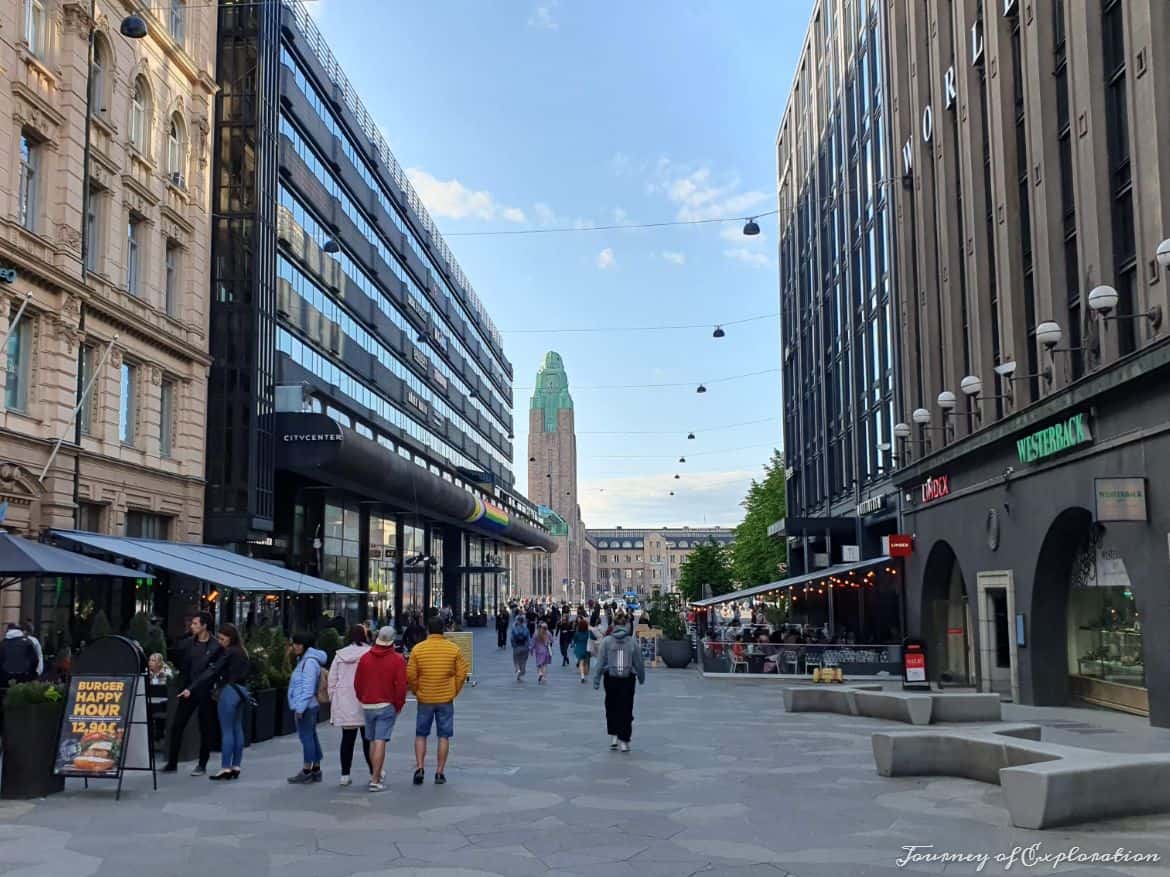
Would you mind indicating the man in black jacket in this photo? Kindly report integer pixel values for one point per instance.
(502, 622)
(195, 654)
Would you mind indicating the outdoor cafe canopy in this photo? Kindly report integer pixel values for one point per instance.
(839, 571)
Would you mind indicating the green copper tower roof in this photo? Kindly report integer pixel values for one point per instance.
(552, 390)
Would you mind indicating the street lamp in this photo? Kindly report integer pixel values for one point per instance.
(719, 333)
(1104, 298)
(1163, 254)
(133, 27)
(701, 389)
(751, 228)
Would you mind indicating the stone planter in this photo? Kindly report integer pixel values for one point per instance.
(30, 747)
(675, 653)
(285, 721)
(263, 716)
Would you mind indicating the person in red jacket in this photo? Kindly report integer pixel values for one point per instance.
(380, 686)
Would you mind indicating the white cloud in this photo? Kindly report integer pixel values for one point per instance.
(620, 216)
(544, 214)
(606, 259)
(645, 500)
(450, 199)
(699, 193)
(674, 256)
(747, 257)
(542, 16)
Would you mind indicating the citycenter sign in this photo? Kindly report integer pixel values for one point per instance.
(950, 88)
(1054, 439)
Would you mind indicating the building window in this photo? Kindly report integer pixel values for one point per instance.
(134, 254)
(178, 21)
(172, 278)
(30, 160)
(139, 116)
(35, 26)
(176, 149)
(166, 417)
(128, 404)
(87, 363)
(89, 517)
(97, 76)
(145, 525)
(19, 359)
(92, 229)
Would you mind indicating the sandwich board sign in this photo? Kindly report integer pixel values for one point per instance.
(93, 732)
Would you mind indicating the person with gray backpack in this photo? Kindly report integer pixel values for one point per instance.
(619, 664)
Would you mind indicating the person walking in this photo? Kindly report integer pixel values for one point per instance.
(380, 686)
(436, 674)
(542, 652)
(195, 654)
(18, 657)
(502, 628)
(565, 630)
(620, 663)
(36, 644)
(521, 641)
(345, 709)
(414, 634)
(583, 639)
(227, 676)
(302, 700)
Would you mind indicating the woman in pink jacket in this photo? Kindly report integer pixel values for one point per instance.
(345, 710)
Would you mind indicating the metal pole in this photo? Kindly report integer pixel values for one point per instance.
(76, 409)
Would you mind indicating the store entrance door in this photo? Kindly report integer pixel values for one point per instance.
(997, 642)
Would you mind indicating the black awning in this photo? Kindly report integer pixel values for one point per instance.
(316, 445)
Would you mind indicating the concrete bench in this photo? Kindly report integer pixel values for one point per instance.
(965, 707)
(897, 706)
(1044, 784)
(824, 699)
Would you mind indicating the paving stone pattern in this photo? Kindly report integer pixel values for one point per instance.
(721, 781)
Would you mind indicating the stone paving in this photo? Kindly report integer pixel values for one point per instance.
(721, 781)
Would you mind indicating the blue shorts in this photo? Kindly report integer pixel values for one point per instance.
(443, 716)
(380, 723)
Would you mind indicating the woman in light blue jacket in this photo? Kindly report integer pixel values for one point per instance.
(302, 700)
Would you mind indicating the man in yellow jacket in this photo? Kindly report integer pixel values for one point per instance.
(436, 673)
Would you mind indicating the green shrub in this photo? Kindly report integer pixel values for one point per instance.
(329, 641)
(155, 642)
(139, 628)
(30, 693)
(100, 626)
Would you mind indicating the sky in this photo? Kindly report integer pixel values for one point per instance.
(537, 114)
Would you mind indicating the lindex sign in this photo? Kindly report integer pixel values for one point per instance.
(1054, 439)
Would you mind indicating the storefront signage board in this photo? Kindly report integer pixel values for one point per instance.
(936, 488)
(901, 545)
(914, 665)
(871, 505)
(850, 553)
(92, 740)
(1054, 439)
(1121, 499)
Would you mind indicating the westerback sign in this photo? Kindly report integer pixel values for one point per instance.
(1054, 439)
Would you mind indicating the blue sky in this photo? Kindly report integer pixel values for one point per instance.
(518, 114)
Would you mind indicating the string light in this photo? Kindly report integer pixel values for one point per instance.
(608, 329)
(723, 380)
(613, 227)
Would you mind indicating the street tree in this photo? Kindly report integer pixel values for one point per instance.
(756, 556)
(706, 571)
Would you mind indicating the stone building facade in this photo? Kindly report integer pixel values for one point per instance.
(132, 312)
(648, 560)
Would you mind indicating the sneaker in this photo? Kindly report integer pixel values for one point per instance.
(345, 780)
(625, 747)
(199, 770)
(440, 779)
(419, 776)
(582, 680)
(613, 744)
(301, 777)
(517, 675)
(315, 776)
(376, 787)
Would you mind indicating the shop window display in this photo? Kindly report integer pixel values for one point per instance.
(1105, 635)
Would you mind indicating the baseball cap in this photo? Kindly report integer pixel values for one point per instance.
(386, 636)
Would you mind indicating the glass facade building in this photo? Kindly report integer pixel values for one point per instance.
(330, 277)
(838, 310)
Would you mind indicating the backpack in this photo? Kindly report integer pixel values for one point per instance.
(323, 685)
(620, 663)
(520, 637)
(20, 658)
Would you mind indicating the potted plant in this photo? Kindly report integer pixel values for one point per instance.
(263, 715)
(32, 718)
(673, 646)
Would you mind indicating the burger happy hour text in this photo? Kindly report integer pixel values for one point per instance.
(97, 700)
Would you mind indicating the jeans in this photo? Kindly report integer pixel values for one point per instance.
(441, 715)
(348, 739)
(188, 706)
(307, 731)
(231, 726)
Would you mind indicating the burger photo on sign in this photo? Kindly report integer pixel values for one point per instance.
(97, 752)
